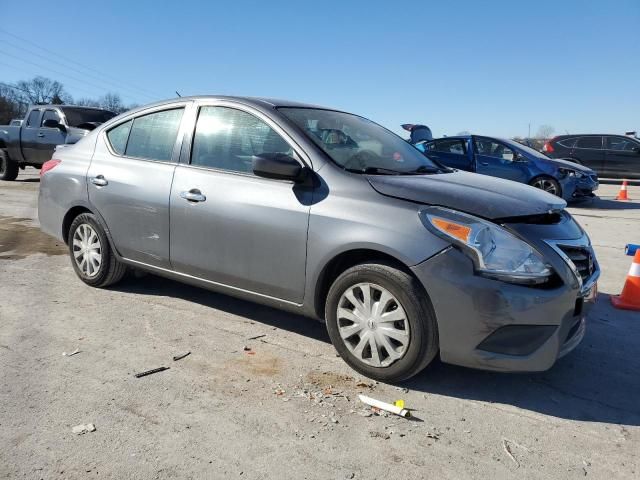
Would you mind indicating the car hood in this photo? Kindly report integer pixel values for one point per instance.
(481, 195)
(558, 162)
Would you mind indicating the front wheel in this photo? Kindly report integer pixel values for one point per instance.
(8, 168)
(547, 184)
(381, 322)
(91, 254)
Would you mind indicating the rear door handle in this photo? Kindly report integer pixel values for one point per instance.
(100, 181)
(41, 135)
(193, 195)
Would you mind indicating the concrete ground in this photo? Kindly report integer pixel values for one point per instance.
(287, 408)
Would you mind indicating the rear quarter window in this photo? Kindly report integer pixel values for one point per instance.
(118, 137)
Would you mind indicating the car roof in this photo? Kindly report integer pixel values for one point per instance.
(35, 107)
(254, 101)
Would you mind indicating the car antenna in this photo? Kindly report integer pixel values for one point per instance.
(178, 93)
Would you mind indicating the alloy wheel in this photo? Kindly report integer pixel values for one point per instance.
(373, 325)
(546, 185)
(87, 250)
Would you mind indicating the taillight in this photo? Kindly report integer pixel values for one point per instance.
(49, 165)
(547, 147)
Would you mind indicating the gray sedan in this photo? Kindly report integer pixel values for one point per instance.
(327, 214)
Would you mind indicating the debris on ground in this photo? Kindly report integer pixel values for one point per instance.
(65, 354)
(248, 350)
(382, 435)
(279, 392)
(82, 429)
(507, 449)
(180, 357)
(150, 372)
(364, 385)
(256, 337)
(388, 407)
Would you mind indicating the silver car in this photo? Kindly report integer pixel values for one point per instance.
(330, 215)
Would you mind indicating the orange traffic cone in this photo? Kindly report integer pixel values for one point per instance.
(629, 299)
(622, 195)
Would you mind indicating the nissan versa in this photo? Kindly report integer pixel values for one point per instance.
(330, 215)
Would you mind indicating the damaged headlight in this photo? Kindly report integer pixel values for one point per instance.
(571, 173)
(496, 253)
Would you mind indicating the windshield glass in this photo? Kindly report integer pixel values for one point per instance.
(77, 116)
(358, 144)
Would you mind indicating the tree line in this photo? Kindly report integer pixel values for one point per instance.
(15, 98)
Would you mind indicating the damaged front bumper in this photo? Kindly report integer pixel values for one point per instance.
(492, 325)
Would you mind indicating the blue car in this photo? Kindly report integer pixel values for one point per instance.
(511, 160)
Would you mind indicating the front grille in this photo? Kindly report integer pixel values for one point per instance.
(582, 258)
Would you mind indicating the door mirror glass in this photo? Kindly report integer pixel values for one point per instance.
(52, 123)
(278, 166)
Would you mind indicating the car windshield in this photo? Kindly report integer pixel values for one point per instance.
(360, 145)
(77, 116)
(525, 148)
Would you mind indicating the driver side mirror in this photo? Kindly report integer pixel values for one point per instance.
(521, 158)
(278, 166)
(636, 149)
(52, 123)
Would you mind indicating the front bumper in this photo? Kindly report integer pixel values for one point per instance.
(579, 188)
(471, 308)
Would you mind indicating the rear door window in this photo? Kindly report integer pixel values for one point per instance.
(153, 136)
(453, 145)
(594, 143)
(34, 116)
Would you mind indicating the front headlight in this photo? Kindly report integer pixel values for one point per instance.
(496, 253)
(571, 173)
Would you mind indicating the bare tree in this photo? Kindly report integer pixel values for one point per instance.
(42, 90)
(545, 132)
(112, 101)
(86, 102)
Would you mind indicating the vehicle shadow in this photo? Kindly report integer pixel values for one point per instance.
(606, 204)
(154, 285)
(597, 382)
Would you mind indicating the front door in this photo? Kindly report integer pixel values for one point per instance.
(229, 226)
(622, 157)
(499, 160)
(129, 183)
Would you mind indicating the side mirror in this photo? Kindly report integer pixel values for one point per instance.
(521, 158)
(637, 149)
(278, 166)
(52, 123)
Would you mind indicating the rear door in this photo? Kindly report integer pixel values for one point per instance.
(589, 151)
(48, 138)
(451, 152)
(229, 226)
(622, 156)
(497, 159)
(29, 136)
(129, 182)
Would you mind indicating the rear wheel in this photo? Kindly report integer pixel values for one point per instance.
(381, 322)
(8, 168)
(547, 184)
(91, 254)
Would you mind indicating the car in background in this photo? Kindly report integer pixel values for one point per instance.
(330, 215)
(30, 142)
(513, 161)
(614, 156)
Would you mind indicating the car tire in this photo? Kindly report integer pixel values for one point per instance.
(416, 336)
(548, 184)
(8, 168)
(91, 255)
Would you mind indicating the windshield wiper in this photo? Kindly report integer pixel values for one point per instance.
(427, 170)
(375, 171)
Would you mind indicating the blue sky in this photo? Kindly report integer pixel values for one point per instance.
(488, 67)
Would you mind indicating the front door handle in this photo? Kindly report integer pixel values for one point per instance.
(193, 195)
(41, 135)
(100, 181)
(486, 164)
